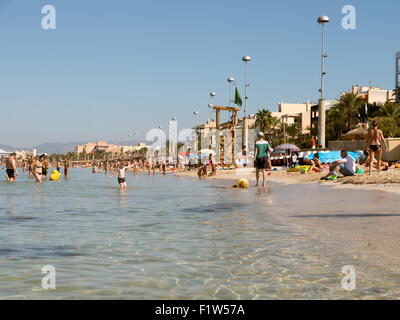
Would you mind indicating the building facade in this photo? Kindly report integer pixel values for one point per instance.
(295, 113)
(372, 94)
(102, 146)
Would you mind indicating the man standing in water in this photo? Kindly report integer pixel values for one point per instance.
(261, 155)
(121, 167)
(11, 167)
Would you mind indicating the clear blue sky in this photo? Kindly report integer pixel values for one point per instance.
(114, 67)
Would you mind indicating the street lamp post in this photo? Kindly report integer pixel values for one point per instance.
(173, 140)
(321, 105)
(212, 95)
(245, 59)
(195, 128)
(210, 106)
(230, 81)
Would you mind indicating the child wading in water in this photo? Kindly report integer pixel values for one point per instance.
(121, 174)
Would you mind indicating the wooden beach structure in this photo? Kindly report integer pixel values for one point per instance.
(230, 125)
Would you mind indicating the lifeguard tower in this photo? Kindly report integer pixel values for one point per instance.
(230, 125)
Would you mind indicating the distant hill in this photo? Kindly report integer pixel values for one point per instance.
(56, 147)
(48, 148)
(9, 148)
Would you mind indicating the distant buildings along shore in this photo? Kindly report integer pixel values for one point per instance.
(102, 146)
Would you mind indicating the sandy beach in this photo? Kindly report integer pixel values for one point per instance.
(386, 181)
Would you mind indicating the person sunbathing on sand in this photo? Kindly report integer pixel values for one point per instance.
(317, 164)
(385, 166)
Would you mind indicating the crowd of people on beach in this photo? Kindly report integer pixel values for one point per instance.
(38, 167)
(348, 166)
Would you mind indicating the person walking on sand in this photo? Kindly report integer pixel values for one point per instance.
(67, 164)
(375, 136)
(11, 168)
(261, 155)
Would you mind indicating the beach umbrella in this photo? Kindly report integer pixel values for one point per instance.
(288, 146)
(357, 133)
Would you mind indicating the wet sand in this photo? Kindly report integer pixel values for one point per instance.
(362, 224)
(388, 181)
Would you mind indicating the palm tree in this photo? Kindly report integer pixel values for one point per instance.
(374, 109)
(396, 94)
(273, 126)
(391, 110)
(262, 119)
(335, 122)
(293, 130)
(350, 104)
(265, 122)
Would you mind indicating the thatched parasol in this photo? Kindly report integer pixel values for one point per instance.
(358, 133)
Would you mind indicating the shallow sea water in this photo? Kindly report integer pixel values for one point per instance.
(170, 238)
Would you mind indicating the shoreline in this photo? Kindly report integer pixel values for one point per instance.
(388, 181)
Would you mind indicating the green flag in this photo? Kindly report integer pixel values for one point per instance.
(238, 99)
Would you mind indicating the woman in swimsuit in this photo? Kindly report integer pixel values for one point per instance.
(94, 167)
(30, 169)
(36, 168)
(66, 167)
(45, 166)
(375, 136)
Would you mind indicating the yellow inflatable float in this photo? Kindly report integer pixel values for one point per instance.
(55, 175)
(243, 184)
